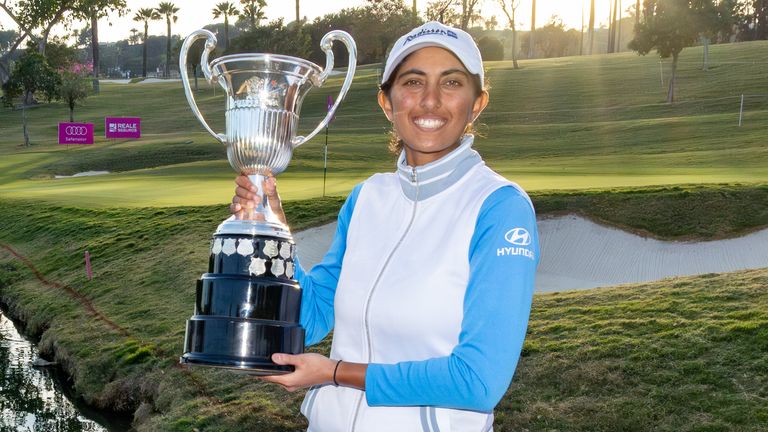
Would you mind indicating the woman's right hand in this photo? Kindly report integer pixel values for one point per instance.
(247, 198)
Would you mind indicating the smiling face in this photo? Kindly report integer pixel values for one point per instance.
(431, 101)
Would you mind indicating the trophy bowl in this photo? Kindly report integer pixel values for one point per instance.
(247, 305)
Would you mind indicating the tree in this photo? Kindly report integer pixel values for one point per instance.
(581, 32)
(618, 31)
(225, 9)
(444, 11)
(30, 74)
(145, 15)
(376, 26)
(298, 16)
(491, 23)
(491, 49)
(7, 37)
(591, 26)
(509, 11)
(253, 10)
(134, 38)
(273, 37)
(193, 57)
(168, 10)
(58, 53)
(668, 26)
(553, 40)
(74, 86)
(469, 13)
(760, 19)
(29, 16)
(93, 10)
(751, 16)
(531, 38)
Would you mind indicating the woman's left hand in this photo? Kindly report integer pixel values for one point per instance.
(310, 369)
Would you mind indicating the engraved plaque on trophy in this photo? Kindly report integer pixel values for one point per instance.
(247, 305)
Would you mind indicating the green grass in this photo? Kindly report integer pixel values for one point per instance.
(682, 212)
(571, 123)
(584, 135)
(681, 354)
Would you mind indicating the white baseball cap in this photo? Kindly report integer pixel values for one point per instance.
(434, 33)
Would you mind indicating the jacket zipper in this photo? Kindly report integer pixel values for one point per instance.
(366, 310)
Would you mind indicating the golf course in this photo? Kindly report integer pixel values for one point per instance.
(590, 135)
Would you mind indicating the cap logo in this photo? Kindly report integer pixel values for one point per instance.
(427, 32)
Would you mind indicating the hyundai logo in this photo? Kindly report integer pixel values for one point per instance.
(76, 130)
(518, 236)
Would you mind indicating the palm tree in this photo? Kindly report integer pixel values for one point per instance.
(254, 11)
(298, 17)
(226, 9)
(591, 26)
(612, 27)
(134, 38)
(168, 10)
(618, 31)
(146, 15)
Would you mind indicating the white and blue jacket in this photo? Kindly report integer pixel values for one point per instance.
(429, 279)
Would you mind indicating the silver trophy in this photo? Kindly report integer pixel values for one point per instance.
(247, 305)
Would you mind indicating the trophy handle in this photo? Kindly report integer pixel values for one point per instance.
(210, 45)
(327, 45)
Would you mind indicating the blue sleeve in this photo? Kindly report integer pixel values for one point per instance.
(503, 256)
(318, 286)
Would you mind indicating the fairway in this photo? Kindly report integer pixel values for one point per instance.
(554, 124)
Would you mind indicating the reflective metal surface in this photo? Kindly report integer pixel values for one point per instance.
(264, 97)
(248, 303)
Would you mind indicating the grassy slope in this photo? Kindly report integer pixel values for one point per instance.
(685, 354)
(573, 123)
(556, 124)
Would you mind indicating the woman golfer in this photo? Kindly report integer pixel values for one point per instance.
(429, 279)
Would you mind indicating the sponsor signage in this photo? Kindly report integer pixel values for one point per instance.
(519, 237)
(122, 127)
(75, 133)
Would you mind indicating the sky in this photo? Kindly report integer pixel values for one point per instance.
(195, 14)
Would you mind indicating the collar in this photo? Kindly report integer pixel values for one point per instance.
(425, 181)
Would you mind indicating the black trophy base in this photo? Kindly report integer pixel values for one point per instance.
(240, 344)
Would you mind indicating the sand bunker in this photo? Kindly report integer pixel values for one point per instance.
(577, 253)
(82, 174)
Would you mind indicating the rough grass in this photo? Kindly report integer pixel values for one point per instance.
(682, 212)
(683, 354)
(596, 360)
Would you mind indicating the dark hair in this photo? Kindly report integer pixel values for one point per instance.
(395, 143)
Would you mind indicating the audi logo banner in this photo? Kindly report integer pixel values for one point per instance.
(75, 133)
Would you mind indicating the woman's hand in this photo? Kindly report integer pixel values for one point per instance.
(310, 369)
(247, 198)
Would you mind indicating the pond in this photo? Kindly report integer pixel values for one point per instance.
(35, 399)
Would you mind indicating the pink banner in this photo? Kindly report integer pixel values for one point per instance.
(75, 133)
(122, 127)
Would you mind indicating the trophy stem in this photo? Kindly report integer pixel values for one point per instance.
(263, 210)
(259, 221)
